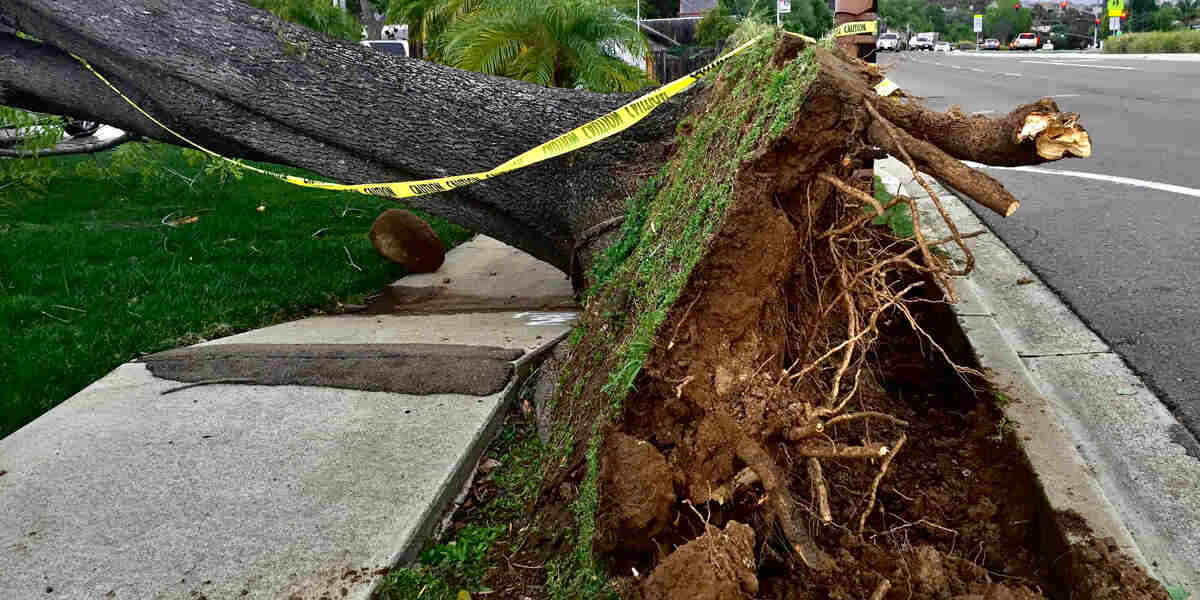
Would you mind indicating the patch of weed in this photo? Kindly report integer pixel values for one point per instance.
(897, 218)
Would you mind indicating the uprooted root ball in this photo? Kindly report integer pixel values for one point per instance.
(727, 362)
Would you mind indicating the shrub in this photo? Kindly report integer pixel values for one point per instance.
(1156, 41)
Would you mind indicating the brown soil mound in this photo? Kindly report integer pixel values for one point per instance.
(718, 565)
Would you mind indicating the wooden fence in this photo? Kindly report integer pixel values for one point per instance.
(669, 65)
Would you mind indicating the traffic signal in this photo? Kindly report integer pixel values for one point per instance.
(1125, 15)
(1016, 6)
(1063, 5)
(1097, 20)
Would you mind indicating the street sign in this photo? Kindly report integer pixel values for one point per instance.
(978, 23)
(785, 6)
(1114, 23)
(1116, 7)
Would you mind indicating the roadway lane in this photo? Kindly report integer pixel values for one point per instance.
(1125, 258)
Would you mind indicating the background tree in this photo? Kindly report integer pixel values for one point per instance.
(937, 17)
(716, 25)
(959, 32)
(318, 15)
(1189, 10)
(906, 15)
(813, 18)
(1140, 13)
(1003, 22)
(1165, 17)
(563, 43)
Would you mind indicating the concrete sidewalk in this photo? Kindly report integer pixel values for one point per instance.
(294, 461)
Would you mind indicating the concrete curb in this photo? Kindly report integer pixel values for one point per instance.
(1099, 441)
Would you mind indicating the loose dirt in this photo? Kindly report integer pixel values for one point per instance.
(804, 422)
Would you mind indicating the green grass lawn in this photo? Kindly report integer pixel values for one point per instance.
(91, 277)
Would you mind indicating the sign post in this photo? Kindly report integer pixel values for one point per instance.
(1116, 8)
(978, 31)
(782, 7)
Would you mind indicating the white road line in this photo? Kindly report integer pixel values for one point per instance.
(955, 67)
(977, 70)
(1154, 185)
(1067, 64)
(1065, 96)
(1013, 74)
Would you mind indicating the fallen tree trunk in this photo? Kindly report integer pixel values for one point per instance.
(248, 85)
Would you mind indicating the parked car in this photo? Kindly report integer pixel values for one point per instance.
(923, 41)
(1026, 41)
(942, 47)
(1048, 46)
(889, 41)
(990, 44)
(397, 47)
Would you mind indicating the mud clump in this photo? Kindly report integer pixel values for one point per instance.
(1109, 575)
(929, 575)
(718, 565)
(637, 493)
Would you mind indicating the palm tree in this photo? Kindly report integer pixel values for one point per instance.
(427, 21)
(564, 43)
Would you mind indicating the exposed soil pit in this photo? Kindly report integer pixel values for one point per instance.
(761, 398)
(957, 514)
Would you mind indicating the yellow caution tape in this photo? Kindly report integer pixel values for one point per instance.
(602, 127)
(855, 28)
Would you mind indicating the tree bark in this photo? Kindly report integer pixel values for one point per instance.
(240, 81)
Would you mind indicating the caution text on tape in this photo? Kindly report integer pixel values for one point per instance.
(856, 28)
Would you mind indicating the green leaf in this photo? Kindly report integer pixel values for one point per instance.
(1178, 593)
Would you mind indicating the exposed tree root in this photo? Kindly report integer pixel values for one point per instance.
(764, 373)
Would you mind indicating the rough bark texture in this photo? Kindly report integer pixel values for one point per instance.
(240, 81)
(246, 84)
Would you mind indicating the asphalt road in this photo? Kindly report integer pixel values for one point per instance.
(1125, 257)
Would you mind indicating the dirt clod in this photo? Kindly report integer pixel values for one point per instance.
(718, 565)
(1110, 575)
(636, 492)
(929, 575)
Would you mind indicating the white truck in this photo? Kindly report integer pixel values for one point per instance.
(924, 41)
(889, 40)
(1026, 41)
